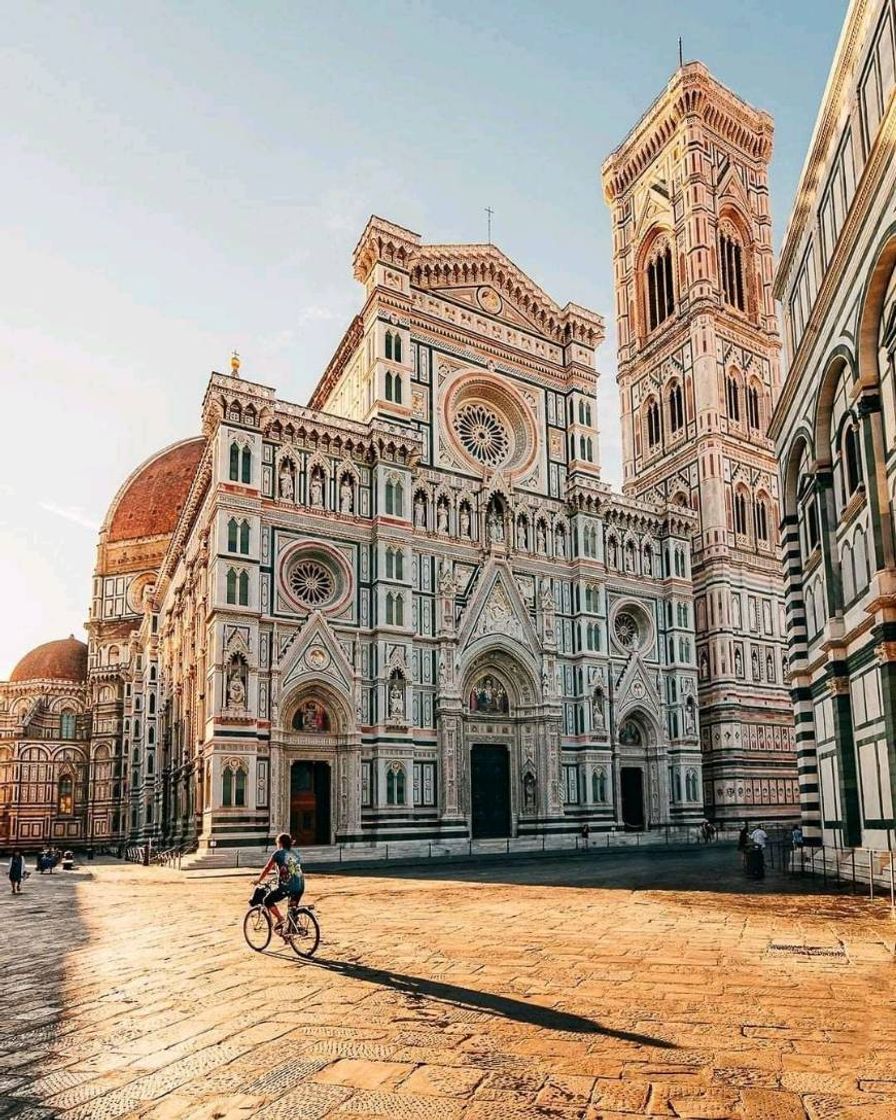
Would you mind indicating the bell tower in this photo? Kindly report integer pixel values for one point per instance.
(698, 374)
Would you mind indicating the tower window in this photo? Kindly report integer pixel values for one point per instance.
(244, 537)
(243, 584)
(676, 408)
(660, 289)
(753, 407)
(232, 534)
(653, 424)
(234, 463)
(761, 519)
(732, 398)
(246, 465)
(740, 514)
(731, 260)
(389, 345)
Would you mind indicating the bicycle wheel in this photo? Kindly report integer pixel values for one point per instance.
(257, 928)
(304, 932)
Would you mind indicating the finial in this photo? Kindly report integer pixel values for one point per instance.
(235, 364)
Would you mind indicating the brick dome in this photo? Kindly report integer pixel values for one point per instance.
(65, 660)
(149, 503)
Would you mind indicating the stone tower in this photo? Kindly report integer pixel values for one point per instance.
(698, 374)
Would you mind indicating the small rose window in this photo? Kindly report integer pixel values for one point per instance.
(311, 583)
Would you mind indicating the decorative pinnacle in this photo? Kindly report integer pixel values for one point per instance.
(235, 364)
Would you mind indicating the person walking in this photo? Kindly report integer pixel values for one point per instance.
(16, 871)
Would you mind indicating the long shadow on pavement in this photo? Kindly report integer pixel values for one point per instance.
(418, 988)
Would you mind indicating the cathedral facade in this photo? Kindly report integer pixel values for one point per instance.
(698, 377)
(408, 610)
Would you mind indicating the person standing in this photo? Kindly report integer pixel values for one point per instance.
(16, 871)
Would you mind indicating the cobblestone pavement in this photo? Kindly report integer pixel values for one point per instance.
(619, 986)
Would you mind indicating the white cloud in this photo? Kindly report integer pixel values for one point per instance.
(71, 513)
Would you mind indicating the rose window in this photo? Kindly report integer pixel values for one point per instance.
(311, 583)
(627, 630)
(482, 434)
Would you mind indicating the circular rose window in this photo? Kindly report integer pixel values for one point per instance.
(315, 577)
(483, 434)
(311, 583)
(489, 423)
(631, 628)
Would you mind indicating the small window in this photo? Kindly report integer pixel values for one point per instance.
(231, 585)
(389, 356)
(731, 259)
(740, 514)
(660, 288)
(244, 538)
(653, 424)
(234, 463)
(852, 466)
(761, 518)
(732, 398)
(676, 408)
(227, 798)
(67, 725)
(244, 589)
(240, 787)
(396, 786)
(65, 795)
(246, 460)
(753, 407)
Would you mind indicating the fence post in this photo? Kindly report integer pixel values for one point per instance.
(870, 873)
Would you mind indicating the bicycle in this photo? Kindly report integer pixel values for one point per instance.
(301, 929)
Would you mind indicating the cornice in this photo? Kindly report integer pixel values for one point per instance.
(692, 91)
(343, 355)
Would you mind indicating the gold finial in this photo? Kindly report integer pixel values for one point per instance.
(235, 364)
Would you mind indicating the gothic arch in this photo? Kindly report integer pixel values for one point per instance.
(309, 686)
(516, 667)
(872, 307)
(840, 362)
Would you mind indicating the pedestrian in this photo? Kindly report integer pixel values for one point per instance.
(796, 836)
(16, 871)
(743, 837)
(586, 832)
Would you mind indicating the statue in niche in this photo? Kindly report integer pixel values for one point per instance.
(489, 697)
(523, 533)
(560, 544)
(529, 791)
(443, 670)
(738, 663)
(754, 663)
(442, 517)
(689, 716)
(316, 489)
(541, 539)
(597, 707)
(396, 701)
(769, 667)
(287, 485)
(236, 689)
(420, 512)
(547, 681)
(495, 526)
(648, 563)
(630, 557)
(612, 553)
(704, 666)
(465, 520)
(346, 496)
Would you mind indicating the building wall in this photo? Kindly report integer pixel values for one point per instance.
(698, 375)
(834, 429)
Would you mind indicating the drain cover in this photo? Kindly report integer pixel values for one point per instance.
(810, 950)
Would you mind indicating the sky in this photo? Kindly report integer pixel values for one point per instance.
(180, 180)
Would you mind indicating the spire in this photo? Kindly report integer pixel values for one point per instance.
(235, 364)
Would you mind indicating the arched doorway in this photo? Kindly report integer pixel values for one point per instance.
(634, 778)
(314, 729)
(500, 718)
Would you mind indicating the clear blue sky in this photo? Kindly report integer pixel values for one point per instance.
(182, 179)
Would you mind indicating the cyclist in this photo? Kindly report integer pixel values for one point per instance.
(291, 881)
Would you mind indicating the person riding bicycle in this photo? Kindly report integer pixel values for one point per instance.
(291, 881)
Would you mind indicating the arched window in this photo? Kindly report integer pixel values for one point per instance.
(396, 786)
(396, 388)
(65, 801)
(231, 585)
(389, 380)
(67, 725)
(760, 515)
(852, 465)
(150, 763)
(397, 356)
(732, 398)
(399, 610)
(388, 353)
(653, 423)
(240, 787)
(152, 703)
(740, 514)
(244, 537)
(753, 407)
(232, 534)
(246, 459)
(394, 498)
(676, 408)
(234, 463)
(660, 289)
(394, 610)
(732, 269)
(227, 791)
(676, 785)
(599, 785)
(244, 589)
(691, 785)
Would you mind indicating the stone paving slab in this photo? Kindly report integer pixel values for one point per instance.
(654, 985)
